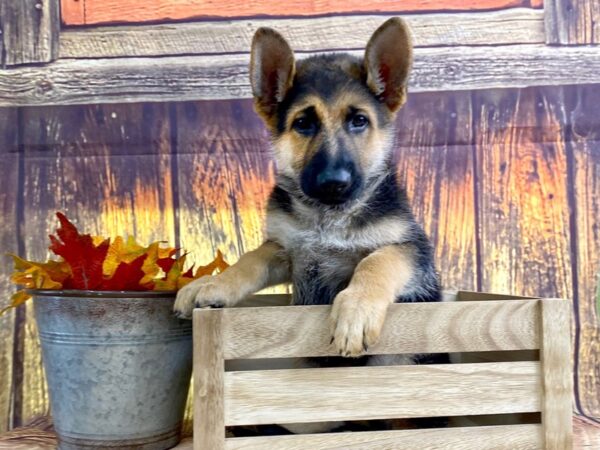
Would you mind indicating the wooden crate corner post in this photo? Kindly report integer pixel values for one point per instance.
(209, 372)
(557, 378)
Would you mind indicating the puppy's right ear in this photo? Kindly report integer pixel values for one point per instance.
(272, 69)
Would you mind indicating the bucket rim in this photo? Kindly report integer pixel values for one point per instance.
(83, 293)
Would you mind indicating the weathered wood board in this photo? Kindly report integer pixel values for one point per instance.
(523, 207)
(213, 77)
(512, 26)
(128, 11)
(572, 22)
(29, 31)
(225, 175)
(584, 154)
(436, 164)
(10, 178)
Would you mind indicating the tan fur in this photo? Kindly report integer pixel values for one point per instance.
(265, 266)
(369, 149)
(359, 310)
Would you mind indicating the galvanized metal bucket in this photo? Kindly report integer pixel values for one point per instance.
(118, 366)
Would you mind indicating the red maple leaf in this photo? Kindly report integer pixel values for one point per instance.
(189, 273)
(127, 277)
(80, 253)
(165, 264)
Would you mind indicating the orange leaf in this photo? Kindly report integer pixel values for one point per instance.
(219, 264)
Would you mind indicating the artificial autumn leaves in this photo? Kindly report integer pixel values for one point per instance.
(95, 263)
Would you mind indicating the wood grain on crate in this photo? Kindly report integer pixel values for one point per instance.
(128, 11)
(209, 379)
(433, 142)
(226, 76)
(30, 31)
(584, 150)
(572, 22)
(413, 328)
(109, 172)
(557, 376)
(9, 235)
(509, 437)
(513, 26)
(367, 393)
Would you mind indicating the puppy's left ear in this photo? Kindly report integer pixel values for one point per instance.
(388, 59)
(272, 68)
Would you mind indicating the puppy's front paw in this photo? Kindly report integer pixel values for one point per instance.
(356, 321)
(205, 292)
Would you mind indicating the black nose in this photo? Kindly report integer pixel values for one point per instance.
(331, 181)
(334, 182)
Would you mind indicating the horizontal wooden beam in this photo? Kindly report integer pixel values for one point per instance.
(409, 328)
(513, 26)
(211, 77)
(370, 393)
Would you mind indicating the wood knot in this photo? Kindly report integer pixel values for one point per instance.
(45, 86)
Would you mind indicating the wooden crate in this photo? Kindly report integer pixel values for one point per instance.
(474, 323)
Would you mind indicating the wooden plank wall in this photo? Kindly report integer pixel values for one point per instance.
(10, 179)
(504, 181)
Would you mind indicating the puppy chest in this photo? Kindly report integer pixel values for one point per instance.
(317, 276)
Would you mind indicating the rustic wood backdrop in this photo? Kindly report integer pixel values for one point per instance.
(505, 181)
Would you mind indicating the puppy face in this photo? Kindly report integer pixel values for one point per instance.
(331, 116)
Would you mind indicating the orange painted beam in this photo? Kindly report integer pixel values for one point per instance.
(80, 12)
(72, 11)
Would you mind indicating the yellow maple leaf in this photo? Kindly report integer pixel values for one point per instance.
(34, 275)
(169, 283)
(121, 251)
(17, 299)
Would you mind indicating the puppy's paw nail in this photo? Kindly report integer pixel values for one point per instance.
(332, 340)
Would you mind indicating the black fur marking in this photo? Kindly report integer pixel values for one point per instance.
(280, 199)
(388, 199)
(309, 289)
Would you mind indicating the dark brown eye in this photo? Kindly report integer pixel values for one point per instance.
(358, 123)
(305, 125)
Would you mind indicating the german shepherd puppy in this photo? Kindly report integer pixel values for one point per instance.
(339, 226)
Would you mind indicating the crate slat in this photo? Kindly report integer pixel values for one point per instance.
(361, 393)
(508, 437)
(280, 332)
